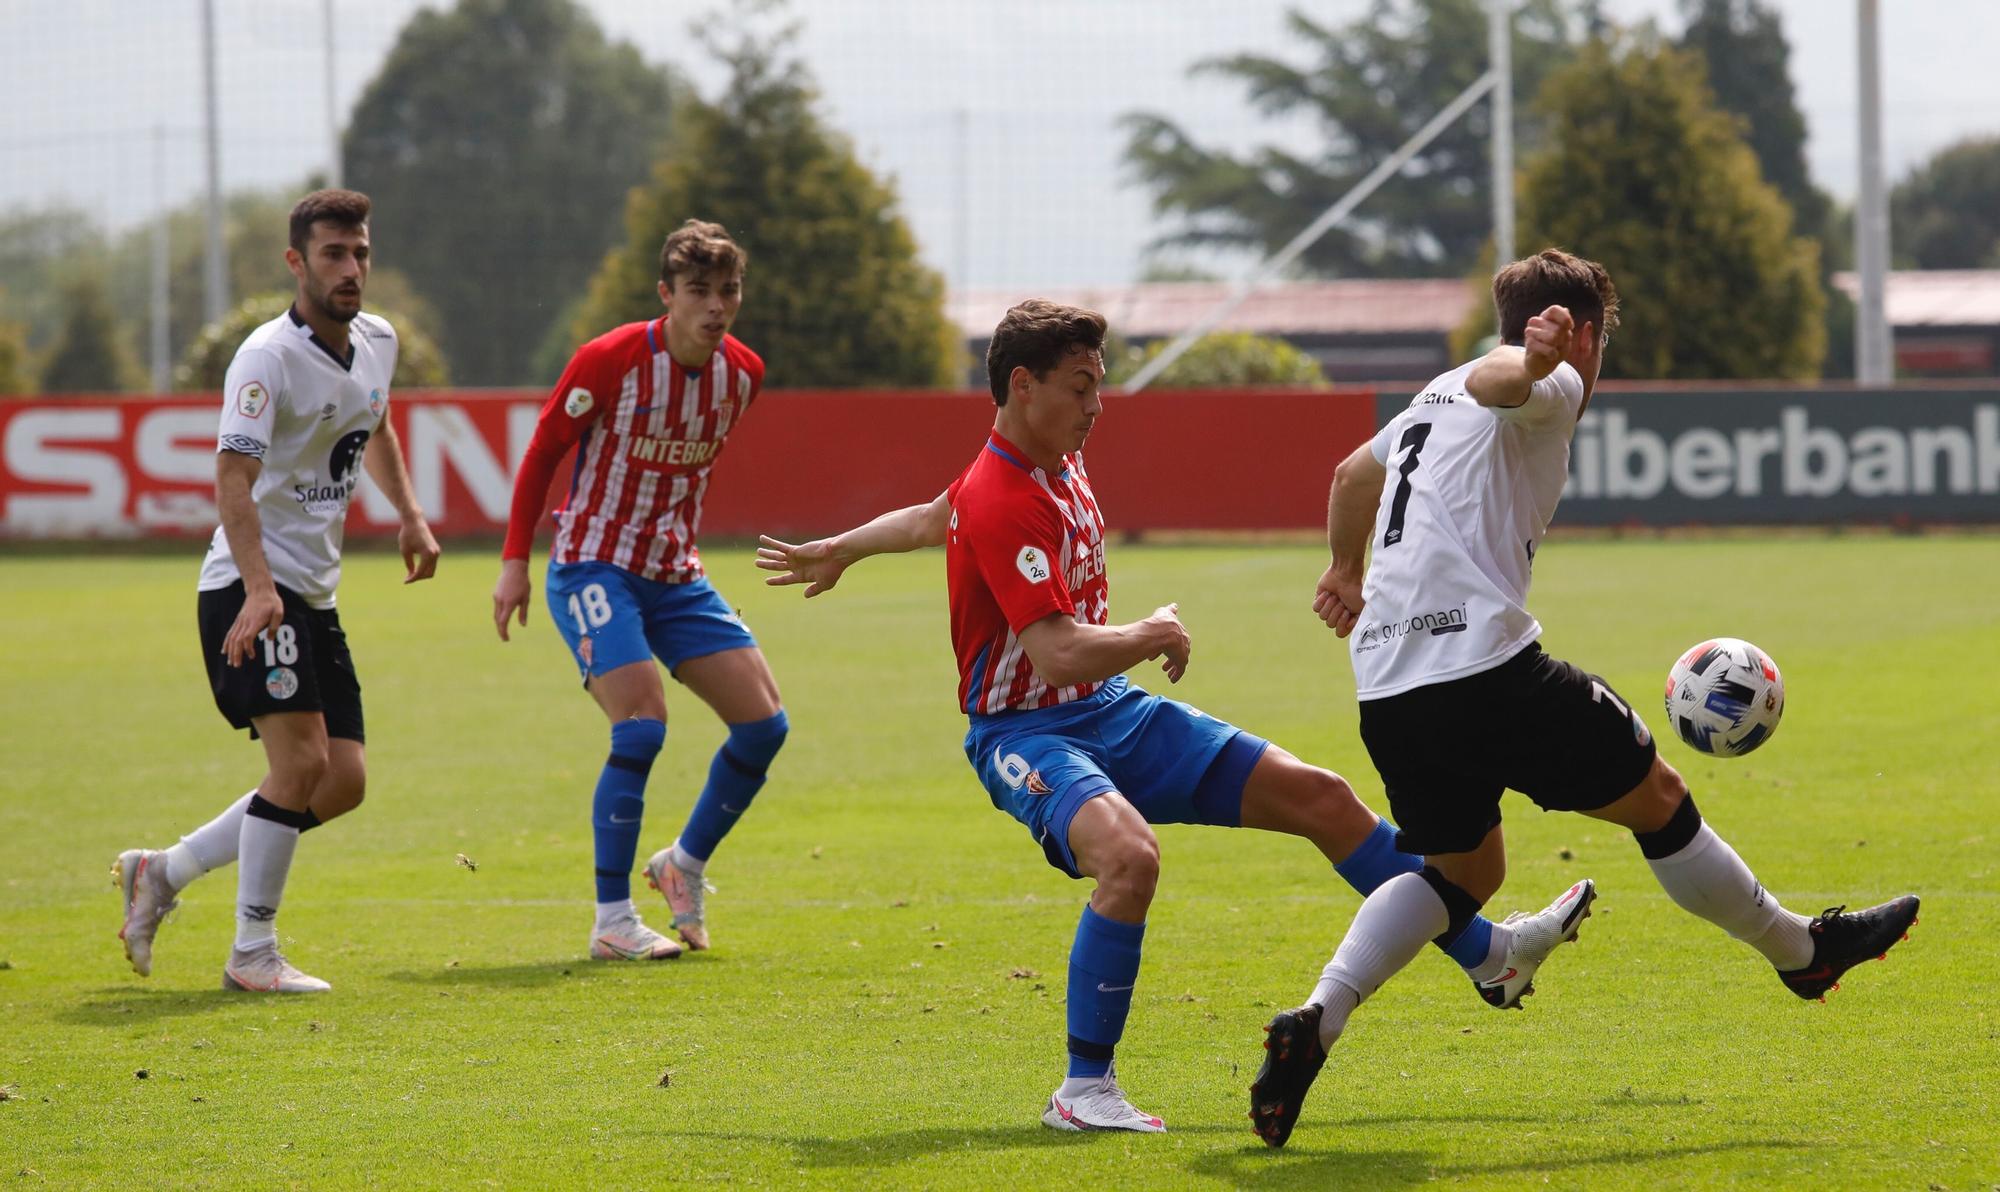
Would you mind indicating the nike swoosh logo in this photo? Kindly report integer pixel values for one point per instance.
(1103, 988)
(1063, 1111)
(732, 810)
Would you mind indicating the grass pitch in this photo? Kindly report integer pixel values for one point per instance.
(884, 1006)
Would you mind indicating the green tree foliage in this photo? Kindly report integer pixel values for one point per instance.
(44, 254)
(1645, 174)
(88, 356)
(13, 359)
(1226, 359)
(1369, 85)
(419, 363)
(1749, 70)
(1946, 214)
(835, 294)
(498, 142)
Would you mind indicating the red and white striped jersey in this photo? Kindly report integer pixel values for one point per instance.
(648, 430)
(1023, 544)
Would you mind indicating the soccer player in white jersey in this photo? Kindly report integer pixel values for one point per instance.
(302, 413)
(648, 407)
(1458, 700)
(1060, 738)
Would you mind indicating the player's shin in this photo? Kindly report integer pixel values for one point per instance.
(1389, 930)
(269, 837)
(1705, 877)
(618, 806)
(734, 777)
(1475, 945)
(1103, 968)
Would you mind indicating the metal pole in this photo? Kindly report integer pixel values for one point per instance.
(215, 262)
(1319, 227)
(962, 186)
(162, 368)
(1500, 49)
(1874, 350)
(332, 105)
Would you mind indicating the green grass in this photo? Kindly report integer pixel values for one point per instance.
(885, 1004)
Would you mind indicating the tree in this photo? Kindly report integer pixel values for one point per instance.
(13, 359)
(498, 143)
(44, 254)
(835, 293)
(1946, 214)
(1226, 359)
(419, 364)
(88, 356)
(1645, 174)
(1749, 70)
(1430, 220)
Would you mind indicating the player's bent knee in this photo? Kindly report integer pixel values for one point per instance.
(1132, 866)
(757, 742)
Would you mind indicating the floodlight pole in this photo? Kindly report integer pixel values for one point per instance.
(1500, 50)
(332, 106)
(215, 261)
(1874, 351)
(1313, 231)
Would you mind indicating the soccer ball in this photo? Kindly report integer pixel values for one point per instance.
(1725, 697)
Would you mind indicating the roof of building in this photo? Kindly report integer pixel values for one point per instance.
(1936, 297)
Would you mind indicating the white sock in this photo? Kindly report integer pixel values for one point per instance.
(1496, 955)
(684, 861)
(265, 858)
(208, 847)
(613, 912)
(1709, 880)
(1392, 926)
(1077, 1086)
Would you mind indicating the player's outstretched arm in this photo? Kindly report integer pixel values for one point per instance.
(1350, 518)
(235, 480)
(1065, 650)
(383, 457)
(820, 564)
(1504, 375)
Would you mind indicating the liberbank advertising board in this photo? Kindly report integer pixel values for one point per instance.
(1782, 457)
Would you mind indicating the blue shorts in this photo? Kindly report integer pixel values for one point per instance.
(610, 618)
(1175, 763)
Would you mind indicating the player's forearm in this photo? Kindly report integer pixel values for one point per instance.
(383, 458)
(235, 477)
(896, 532)
(531, 492)
(1501, 378)
(1350, 509)
(1093, 653)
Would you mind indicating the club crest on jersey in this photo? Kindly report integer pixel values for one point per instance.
(282, 682)
(376, 401)
(1036, 785)
(1032, 564)
(578, 403)
(252, 398)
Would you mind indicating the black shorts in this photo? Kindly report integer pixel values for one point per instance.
(1534, 724)
(305, 668)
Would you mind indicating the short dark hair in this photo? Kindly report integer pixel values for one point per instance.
(346, 209)
(1553, 277)
(700, 247)
(1036, 335)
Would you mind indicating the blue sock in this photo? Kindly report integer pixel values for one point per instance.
(734, 778)
(1103, 966)
(620, 802)
(1376, 860)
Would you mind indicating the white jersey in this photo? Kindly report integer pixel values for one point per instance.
(290, 401)
(1470, 492)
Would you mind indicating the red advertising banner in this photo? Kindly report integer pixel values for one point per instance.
(802, 462)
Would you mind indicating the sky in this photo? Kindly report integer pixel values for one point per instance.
(997, 119)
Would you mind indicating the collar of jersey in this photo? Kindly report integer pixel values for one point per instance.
(656, 342)
(346, 364)
(998, 445)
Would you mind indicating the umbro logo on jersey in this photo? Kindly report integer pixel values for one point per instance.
(578, 403)
(1032, 564)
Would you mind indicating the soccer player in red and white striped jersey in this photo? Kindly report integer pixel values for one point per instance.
(648, 407)
(1060, 738)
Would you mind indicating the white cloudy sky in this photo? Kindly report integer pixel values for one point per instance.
(1010, 104)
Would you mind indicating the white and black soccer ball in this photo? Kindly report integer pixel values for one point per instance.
(1725, 697)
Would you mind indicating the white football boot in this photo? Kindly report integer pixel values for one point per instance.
(628, 938)
(1534, 937)
(141, 876)
(265, 970)
(683, 891)
(1102, 1107)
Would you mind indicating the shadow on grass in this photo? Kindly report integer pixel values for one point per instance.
(531, 974)
(121, 1005)
(1302, 1165)
(901, 1146)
